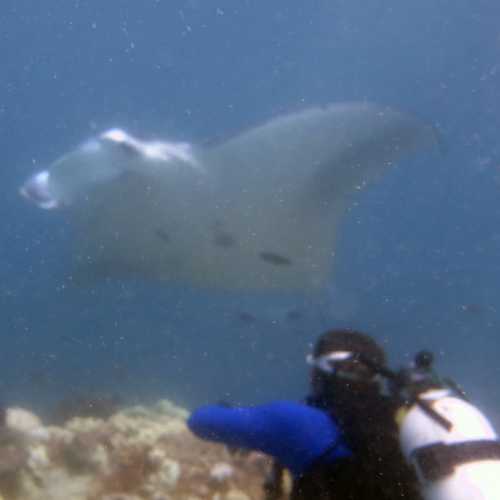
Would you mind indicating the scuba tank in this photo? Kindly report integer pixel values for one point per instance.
(452, 446)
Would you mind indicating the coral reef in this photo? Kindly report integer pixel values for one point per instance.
(139, 453)
(86, 404)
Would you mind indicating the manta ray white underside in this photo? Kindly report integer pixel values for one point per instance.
(258, 212)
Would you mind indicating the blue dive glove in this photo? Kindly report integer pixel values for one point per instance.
(295, 434)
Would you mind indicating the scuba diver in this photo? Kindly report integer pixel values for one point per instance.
(366, 432)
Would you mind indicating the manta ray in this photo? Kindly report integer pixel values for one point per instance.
(260, 211)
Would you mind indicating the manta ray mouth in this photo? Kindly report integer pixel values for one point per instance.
(36, 189)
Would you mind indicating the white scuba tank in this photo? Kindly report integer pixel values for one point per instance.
(452, 446)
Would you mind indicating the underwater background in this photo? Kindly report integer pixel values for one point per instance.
(417, 260)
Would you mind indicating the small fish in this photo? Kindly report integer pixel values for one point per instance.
(472, 308)
(224, 240)
(163, 235)
(275, 259)
(293, 315)
(247, 318)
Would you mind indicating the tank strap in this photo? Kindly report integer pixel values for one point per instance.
(426, 407)
(438, 460)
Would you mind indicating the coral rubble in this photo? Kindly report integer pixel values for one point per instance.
(139, 453)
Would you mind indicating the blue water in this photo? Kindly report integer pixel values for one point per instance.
(417, 262)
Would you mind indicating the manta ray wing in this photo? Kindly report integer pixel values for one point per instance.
(143, 225)
(282, 189)
(258, 212)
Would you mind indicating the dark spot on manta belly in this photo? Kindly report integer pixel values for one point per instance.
(246, 317)
(225, 240)
(163, 235)
(275, 259)
(293, 315)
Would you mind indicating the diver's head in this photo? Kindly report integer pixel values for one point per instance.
(345, 359)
